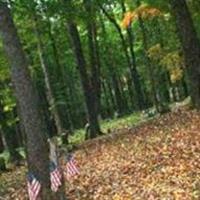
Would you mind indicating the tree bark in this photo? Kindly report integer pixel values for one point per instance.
(108, 106)
(134, 73)
(190, 45)
(88, 88)
(112, 73)
(130, 61)
(27, 97)
(61, 74)
(49, 91)
(148, 61)
(112, 97)
(95, 64)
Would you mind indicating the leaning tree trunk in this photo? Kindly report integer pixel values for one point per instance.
(49, 91)
(61, 74)
(130, 60)
(27, 97)
(191, 47)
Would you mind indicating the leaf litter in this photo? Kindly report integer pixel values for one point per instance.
(156, 160)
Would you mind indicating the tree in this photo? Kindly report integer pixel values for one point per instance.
(87, 84)
(190, 45)
(134, 71)
(94, 61)
(28, 99)
(129, 58)
(49, 91)
(120, 107)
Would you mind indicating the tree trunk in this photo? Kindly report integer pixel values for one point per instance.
(108, 106)
(112, 73)
(130, 60)
(88, 88)
(148, 61)
(61, 74)
(134, 73)
(112, 97)
(131, 92)
(34, 125)
(190, 45)
(49, 91)
(93, 52)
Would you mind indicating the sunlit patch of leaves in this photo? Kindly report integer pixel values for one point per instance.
(174, 63)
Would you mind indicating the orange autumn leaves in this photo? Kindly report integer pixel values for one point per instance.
(128, 18)
(143, 11)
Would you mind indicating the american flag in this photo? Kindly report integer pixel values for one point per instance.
(71, 168)
(34, 186)
(55, 176)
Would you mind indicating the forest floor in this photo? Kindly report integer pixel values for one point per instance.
(155, 160)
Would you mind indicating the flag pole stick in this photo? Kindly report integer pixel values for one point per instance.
(57, 158)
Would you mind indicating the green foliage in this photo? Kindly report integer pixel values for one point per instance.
(4, 71)
(21, 151)
(5, 157)
(156, 52)
(174, 64)
(108, 125)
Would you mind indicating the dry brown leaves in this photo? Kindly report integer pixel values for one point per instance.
(159, 159)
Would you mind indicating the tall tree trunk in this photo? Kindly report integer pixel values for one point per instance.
(61, 74)
(191, 47)
(93, 52)
(134, 72)
(121, 107)
(131, 62)
(73, 97)
(108, 107)
(131, 92)
(112, 73)
(112, 97)
(49, 91)
(148, 61)
(34, 125)
(164, 80)
(118, 95)
(88, 88)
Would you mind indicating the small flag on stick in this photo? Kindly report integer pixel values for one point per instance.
(55, 176)
(71, 168)
(34, 186)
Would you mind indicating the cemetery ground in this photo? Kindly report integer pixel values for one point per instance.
(156, 159)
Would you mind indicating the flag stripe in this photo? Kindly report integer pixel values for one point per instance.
(56, 179)
(71, 168)
(34, 187)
